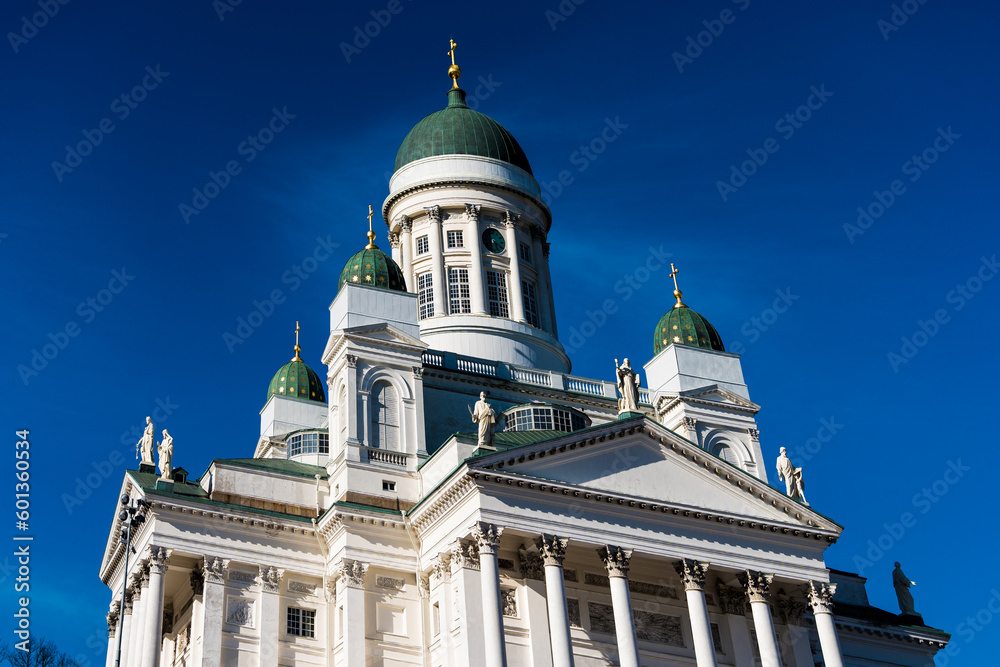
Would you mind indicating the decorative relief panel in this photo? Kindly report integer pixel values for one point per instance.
(301, 587)
(658, 628)
(717, 639)
(508, 600)
(240, 612)
(239, 575)
(641, 587)
(506, 564)
(389, 582)
(573, 609)
(602, 618)
(569, 575)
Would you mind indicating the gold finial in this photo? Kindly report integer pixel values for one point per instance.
(371, 234)
(677, 290)
(297, 348)
(454, 71)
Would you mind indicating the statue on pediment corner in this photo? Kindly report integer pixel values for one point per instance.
(794, 485)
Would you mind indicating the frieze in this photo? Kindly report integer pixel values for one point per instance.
(732, 600)
(660, 628)
(641, 587)
(389, 582)
(573, 611)
(531, 564)
(301, 587)
(240, 575)
(506, 564)
(508, 599)
(569, 575)
(240, 612)
(791, 607)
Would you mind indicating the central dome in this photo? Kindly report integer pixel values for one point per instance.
(458, 130)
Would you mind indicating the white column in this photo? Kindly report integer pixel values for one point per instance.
(733, 601)
(821, 601)
(113, 615)
(214, 597)
(617, 560)
(330, 594)
(138, 617)
(465, 576)
(488, 537)
(553, 550)
(441, 591)
(406, 250)
(476, 291)
(197, 614)
(516, 297)
(548, 289)
(692, 573)
(351, 601)
(437, 258)
(125, 628)
(269, 580)
(758, 587)
(153, 625)
(541, 265)
(397, 255)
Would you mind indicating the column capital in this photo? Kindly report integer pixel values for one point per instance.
(424, 582)
(821, 597)
(545, 249)
(433, 212)
(690, 423)
(158, 557)
(197, 582)
(214, 569)
(616, 560)
(754, 434)
(472, 211)
(405, 223)
(464, 553)
(113, 614)
(733, 600)
(394, 240)
(531, 564)
(692, 573)
(269, 578)
(143, 574)
(552, 548)
(488, 536)
(510, 219)
(352, 572)
(537, 234)
(330, 589)
(352, 360)
(441, 567)
(757, 585)
(127, 602)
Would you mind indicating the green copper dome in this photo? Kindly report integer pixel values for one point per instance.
(684, 326)
(374, 268)
(458, 130)
(296, 380)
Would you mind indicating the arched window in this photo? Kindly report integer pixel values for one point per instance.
(727, 454)
(385, 417)
(342, 415)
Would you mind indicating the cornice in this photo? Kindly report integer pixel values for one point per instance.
(442, 500)
(908, 636)
(449, 183)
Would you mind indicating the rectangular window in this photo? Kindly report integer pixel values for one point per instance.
(425, 295)
(562, 420)
(530, 303)
(455, 239)
(423, 245)
(496, 286)
(525, 252)
(388, 486)
(458, 291)
(301, 622)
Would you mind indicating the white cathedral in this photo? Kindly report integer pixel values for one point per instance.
(377, 524)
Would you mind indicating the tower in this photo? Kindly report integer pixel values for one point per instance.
(468, 227)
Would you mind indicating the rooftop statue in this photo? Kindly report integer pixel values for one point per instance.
(166, 450)
(145, 444)
(794, 486)
(902, 585)
(485, 417)
(628, 387)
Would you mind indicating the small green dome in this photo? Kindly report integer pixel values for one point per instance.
(296, 380)
(373, 268)
(458, 130)
(684, 326)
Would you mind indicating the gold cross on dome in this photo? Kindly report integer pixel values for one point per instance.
(371, 234)
(673, 274)
(452, 52)
(677, 290)
(297, 348)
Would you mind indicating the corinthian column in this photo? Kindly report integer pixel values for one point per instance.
(351, 590)
(437, 257)
(758, 588)
(213, 598)
(269, 579)
(617, 560)
(692, 573)
(488, 538)
(113, 614)
(477, 296)
(139, 599)
(553, 550)
(153, 622)
(516, 295)
(121, 655)
(821, 601)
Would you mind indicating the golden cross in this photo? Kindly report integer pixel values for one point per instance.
(673, 274)
(371, 234)
(370, 214)
(297, 348)
(452, 52)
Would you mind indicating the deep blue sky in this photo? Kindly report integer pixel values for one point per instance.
(160, 340)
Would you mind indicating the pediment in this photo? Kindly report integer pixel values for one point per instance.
(379, 334)
(712, 394)
(654, 464)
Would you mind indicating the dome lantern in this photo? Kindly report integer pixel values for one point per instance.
(296, 380)
(372, 267)
(684, 326)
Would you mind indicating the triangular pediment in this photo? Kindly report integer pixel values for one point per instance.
(712, 394)
(380, 335)
(650, 462)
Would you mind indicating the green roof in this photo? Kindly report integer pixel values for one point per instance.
(278, 465)
(458, 130)
(373, 268)
(684, 326)
(296, 380)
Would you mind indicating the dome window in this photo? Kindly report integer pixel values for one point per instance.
(309, 442)
(542, 417)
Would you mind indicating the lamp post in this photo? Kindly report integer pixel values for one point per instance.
(132, 515)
